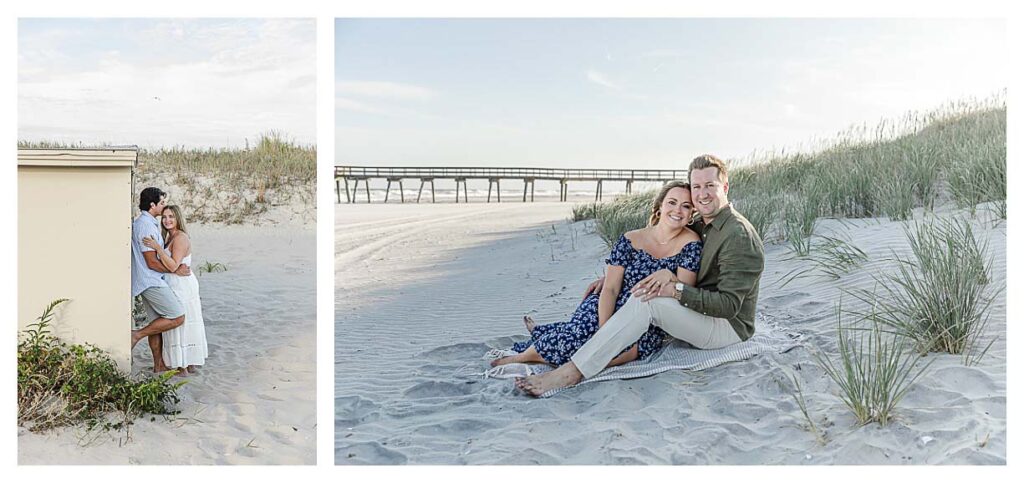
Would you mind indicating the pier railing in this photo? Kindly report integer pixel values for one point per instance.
(494, 176)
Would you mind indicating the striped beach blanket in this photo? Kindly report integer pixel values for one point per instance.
(769, 338)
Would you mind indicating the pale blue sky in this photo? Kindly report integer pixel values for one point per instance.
(166, 82)
(643, 93)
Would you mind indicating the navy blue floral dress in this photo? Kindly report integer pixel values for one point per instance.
(557, 342)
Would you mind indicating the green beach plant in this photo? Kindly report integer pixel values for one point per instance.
(63, 384)
(625, 213)
(831, 257)
(938, 299)
(894, 167)
(761, 212)
(211, 267)
(874, 369)
(799, 217)
(797, 393)
(584, 211)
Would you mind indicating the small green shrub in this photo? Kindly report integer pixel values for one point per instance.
(62, 384)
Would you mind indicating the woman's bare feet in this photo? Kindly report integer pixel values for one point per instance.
(530, 324)
(193, 369)
(565, 376)
(529, 355)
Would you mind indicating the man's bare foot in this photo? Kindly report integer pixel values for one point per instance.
(565, 376)
(530, 324)
(182, 372)
(192, 369)
(135, 338)
(160, 369)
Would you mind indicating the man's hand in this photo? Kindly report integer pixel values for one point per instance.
(183, 270)
(594, 287)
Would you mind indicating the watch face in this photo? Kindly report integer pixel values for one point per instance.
(679, 286)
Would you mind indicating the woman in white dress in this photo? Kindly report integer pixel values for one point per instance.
(184, 347)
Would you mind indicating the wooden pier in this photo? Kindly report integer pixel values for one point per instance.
(494, 176)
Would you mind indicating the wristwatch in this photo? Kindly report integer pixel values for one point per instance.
(679, 291)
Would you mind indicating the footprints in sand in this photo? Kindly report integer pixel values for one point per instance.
(354, 410)
(368, 453)
(431, 389)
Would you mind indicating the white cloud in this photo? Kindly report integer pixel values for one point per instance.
(178, 83)
(601, 80)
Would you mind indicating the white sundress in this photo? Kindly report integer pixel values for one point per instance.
(185, 345)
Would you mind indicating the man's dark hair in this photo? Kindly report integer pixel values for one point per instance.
(150, 196)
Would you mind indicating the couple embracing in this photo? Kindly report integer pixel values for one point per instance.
(696, 281)
(163, 279)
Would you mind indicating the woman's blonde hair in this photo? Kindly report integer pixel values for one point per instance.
(656, 209)
(177, 218)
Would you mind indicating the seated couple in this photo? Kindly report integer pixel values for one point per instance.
(694, 281)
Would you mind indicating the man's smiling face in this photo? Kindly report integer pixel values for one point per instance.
(710, 194)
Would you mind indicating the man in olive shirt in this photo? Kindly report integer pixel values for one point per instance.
(716, 313)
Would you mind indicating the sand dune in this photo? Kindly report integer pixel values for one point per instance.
(254, 400)
(423, 291)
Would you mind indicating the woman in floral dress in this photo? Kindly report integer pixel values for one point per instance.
(666, 243)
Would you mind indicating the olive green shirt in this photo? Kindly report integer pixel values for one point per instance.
(730, 272)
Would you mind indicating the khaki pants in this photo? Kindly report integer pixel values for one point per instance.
(633, 319)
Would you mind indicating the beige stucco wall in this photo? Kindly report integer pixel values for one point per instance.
(74, 235)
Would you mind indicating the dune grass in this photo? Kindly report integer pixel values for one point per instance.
(62, 384)
(874, 369)
(614, 218)
(956, 152)
(892, 168)
(938, 298)
(226, 185)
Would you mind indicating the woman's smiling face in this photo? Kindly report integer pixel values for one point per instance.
(677, 207)
(168, 220)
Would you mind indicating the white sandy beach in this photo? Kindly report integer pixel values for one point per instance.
(254, 400)
(423, 291)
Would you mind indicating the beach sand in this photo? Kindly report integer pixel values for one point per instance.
(254, 400)
(423, 291)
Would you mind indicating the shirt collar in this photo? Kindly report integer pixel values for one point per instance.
(722, 217)
(145, 214)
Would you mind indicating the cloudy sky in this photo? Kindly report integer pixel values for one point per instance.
(644, 93)
(166, 82)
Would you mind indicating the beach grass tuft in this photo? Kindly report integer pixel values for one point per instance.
(584, 211)
(211, 267)
(623, 214)
(938, 299)
(797, 393)
(799, 218)
(62, 384)
(831, 257)
(874, 370)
